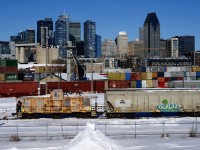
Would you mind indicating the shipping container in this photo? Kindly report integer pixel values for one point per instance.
(167, 74)
(11, 76)
(2, 77)
(161, 79)
(144, 75)
(197, 74)
(28, 77)
(161, 84)
(154, 75)
(161, 69)
(154, 69)
(138, 83)
(128, 75)
(149, 83)
(2, 69)
(136, 76)
(133, 84)
(188, 68)
(167, 79)
(195, 68)
(155, 83)
(11, 69)
(144, 83)
(16, 89)
(149, 75)
(9, 62)
(160, 74)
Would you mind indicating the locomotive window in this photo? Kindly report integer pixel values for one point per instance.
(86, 101)
(67, 103)
(39, 102)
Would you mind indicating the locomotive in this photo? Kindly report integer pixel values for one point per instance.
(116, 103)
(60, 105)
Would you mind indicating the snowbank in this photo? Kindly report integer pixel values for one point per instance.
(92, 139)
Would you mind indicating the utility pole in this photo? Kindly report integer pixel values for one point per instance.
(47, 56)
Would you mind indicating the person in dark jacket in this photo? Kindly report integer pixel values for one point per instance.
(19, 106)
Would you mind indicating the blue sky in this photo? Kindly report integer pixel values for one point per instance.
(177, 17)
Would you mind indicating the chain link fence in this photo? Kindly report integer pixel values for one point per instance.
(113, 130)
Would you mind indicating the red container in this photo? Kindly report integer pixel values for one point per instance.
(161, 79)
(2, 69)
(180, 78)
(167, 79)
(136, 76)
(74, 86)
(162, 84)
(18, 89)
(11, 69)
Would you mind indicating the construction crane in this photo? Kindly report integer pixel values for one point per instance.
(76, 67)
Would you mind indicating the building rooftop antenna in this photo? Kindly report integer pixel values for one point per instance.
(64, 11)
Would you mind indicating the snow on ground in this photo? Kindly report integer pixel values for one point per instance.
(84, 140)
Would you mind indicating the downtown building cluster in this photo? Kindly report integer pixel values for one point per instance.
(54, 39)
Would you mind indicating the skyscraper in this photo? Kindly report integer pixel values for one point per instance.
(141, 34)
(75, 31)
(45, 32)
(23, 37)
(109, 47)
(62, 33)
(122, 43)
(89, 38)
(186, 45)
(98, 46)
(151, 36)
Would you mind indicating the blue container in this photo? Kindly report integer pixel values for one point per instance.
(144, 69)
(128, 76)
(198, 74)
(160, 74)
(139, 84)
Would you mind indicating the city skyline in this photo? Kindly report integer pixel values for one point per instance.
(177, 18)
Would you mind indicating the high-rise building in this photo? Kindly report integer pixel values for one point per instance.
(89, 38)
(172, 47)
(62, 34)
(7, 50)
(24, 37)
(141, 34)
(109, 47)
(75, 31)
(98, 46)
(45, 35)
(135, 48)
(151, 36)
(4, 47)
(122, 43)
(163, 48)
(186, 45)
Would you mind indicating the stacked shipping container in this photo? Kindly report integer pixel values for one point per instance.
(157, 77)
(8, 70)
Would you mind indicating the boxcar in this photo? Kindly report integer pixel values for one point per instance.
(130, 103)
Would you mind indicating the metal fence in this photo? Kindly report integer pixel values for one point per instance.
(123, 130)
